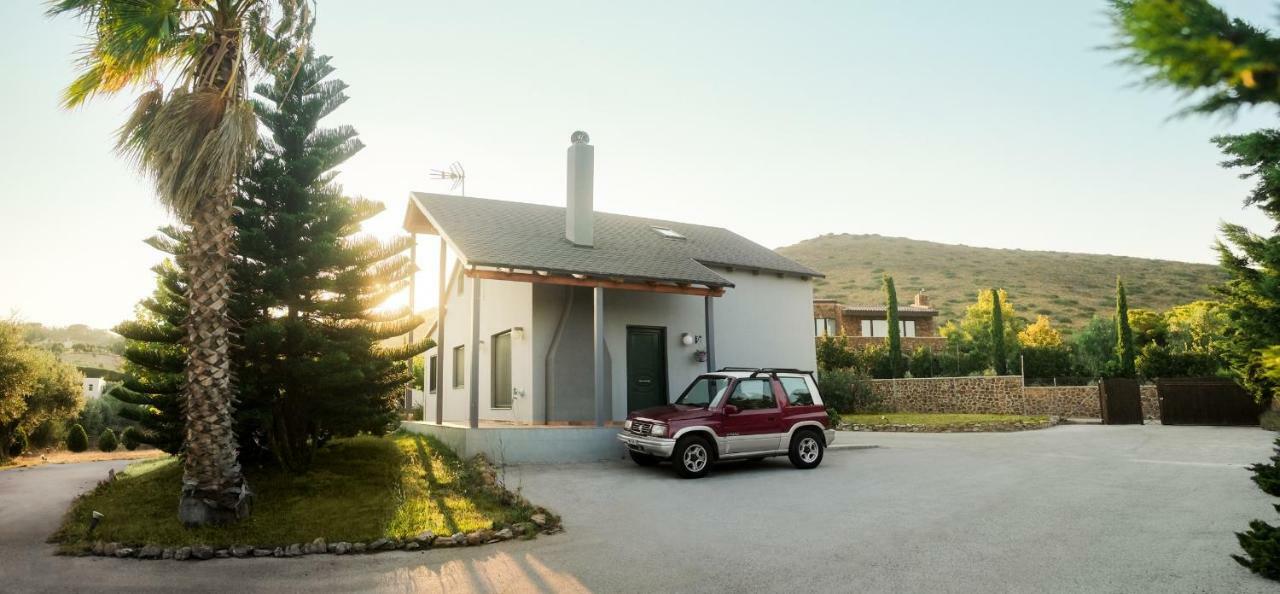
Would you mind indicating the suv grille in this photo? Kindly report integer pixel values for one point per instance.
(641, 427)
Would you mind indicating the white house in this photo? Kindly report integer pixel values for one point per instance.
(91, 387)
(566, 316)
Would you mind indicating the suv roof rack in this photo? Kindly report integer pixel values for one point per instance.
(770, 370)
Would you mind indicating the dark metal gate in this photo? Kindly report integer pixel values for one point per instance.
(1121, 401)
(1206, 401)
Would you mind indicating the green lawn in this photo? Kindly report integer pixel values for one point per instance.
(357, 490)
(941, 421)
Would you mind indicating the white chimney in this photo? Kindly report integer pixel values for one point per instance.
(578, 212)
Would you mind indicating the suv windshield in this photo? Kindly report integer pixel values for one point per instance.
(703, 391)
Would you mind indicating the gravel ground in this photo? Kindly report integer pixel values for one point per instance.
(1066, 509)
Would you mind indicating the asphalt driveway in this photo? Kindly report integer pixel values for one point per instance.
(1073, 508)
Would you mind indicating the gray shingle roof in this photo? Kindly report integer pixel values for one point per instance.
(502, 234)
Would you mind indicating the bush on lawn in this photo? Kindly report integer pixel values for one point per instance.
(107, 442)
(129, 437)
(18, 445)
(77, 439)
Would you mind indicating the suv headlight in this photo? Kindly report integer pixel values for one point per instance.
(627, 425)
(658, 430)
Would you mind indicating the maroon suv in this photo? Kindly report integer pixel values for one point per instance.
(733, 414)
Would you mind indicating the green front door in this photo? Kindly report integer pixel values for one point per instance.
(646, 367)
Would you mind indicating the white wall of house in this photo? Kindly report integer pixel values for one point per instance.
(91, 387)
(504, 306)
(765, 321)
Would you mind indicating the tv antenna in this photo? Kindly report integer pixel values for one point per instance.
(455, 173)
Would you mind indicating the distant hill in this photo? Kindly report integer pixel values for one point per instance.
(90, 349)
(1067, 287)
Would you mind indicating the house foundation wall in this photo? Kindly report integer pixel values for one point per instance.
(525, 445)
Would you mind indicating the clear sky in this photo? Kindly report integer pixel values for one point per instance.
(990, 123)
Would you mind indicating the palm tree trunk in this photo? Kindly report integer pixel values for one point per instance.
(213, 489)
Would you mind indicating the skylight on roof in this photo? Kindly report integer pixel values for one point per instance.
(667, 233)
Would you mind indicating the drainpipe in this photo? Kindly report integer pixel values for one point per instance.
(549, 380)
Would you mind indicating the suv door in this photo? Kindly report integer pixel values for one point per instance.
(756, 426)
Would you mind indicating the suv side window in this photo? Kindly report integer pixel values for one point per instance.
(753, 394)
(797, 391)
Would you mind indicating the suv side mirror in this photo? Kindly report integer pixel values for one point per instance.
(730, 409)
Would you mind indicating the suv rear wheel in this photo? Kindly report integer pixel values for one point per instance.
(644, 459)
(692, 457)
(806, 449)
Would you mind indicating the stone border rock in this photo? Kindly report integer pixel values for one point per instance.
(976, 427)
(544, 523)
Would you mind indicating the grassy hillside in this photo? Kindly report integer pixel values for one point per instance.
(1069, 288)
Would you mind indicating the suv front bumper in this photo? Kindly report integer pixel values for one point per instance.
(653, 446)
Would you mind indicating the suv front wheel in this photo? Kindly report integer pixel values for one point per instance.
(692, 457)
(806, 449)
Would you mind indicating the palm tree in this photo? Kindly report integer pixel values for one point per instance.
(192, 132)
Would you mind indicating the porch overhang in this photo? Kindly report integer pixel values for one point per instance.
(581, 280)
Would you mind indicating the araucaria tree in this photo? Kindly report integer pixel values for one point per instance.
(309, 283)
(307, 286)
(1226, 64)
(895, 328)
(999, 359)
(193, 138)
(1124, 334)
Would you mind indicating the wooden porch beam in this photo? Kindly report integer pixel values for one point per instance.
(651, 287)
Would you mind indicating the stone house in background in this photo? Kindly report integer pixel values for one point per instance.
(866, 325)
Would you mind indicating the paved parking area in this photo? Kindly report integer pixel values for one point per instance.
(1067, 509)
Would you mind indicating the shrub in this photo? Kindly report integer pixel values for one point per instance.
(107, 442)
(1261, 546)
(18, 445)
(1267, 475)
(1046, 361)
(1162, 361)
(1270, 420)
(923, 363)
(833, 354)
(48, 434)
(417, 412)
(846, 390)
(77, 439)
(130, 438)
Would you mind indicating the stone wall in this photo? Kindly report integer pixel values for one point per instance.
(1003, 395)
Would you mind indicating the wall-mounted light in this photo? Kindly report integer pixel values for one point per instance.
(686, 339)
(517, 333)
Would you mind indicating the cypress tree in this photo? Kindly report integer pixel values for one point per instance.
(308, 359)
(999, 358)
(895, 328)
(1124, 334)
